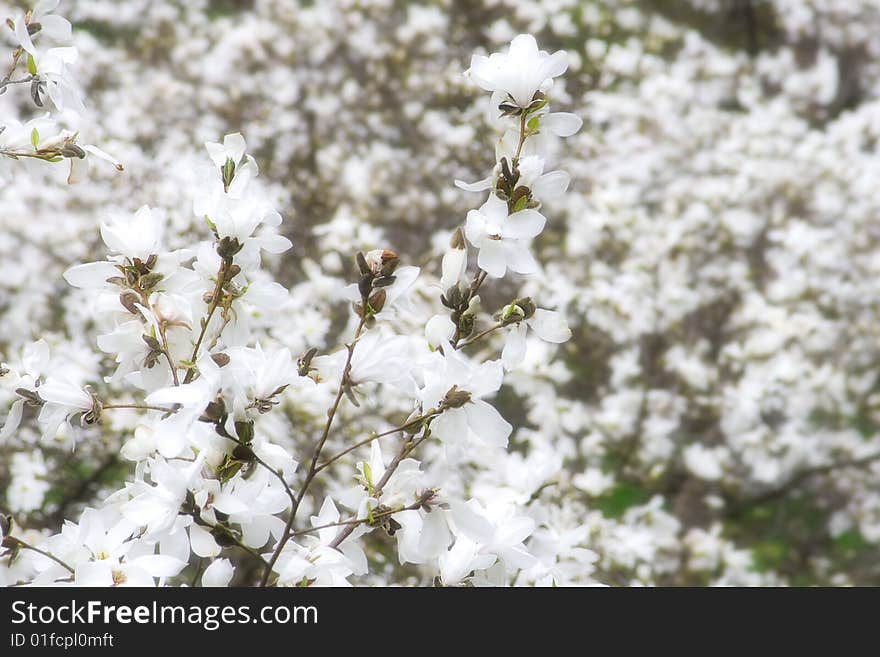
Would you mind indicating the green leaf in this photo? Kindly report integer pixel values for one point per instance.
(615, 502)
(31, 64)
(533, 124)
(368, 475)
(35, 138)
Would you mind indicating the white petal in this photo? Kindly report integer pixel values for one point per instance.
(554, 65)
(479, 186)
(551, 185)
(515, 346)
(519, 258)
(562, 124)
(549, 326)
(91, 274)
(487, 424)
(159, 565)
(470, 522)
(524, 224)
(203, 544)
(451, 426)
(218, 574)
(492, 258)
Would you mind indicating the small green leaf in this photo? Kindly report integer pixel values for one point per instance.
(35, 138)
(31, 64)
(368, 475)
(533, 123)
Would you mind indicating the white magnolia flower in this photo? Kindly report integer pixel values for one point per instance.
(548, 325)
(470, 418)
(503, 239)
(134, 236)
(379, 357)
(484, 536)
(34, 364)
(543, 186)
(51, 25)
(520, 72)
(63, 401)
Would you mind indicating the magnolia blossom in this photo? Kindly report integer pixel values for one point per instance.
(519, 73)
(502, 238)
(63, 400)
(469, 418)
(548, 325)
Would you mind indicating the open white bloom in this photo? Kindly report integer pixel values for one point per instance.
(519, 73)
(484, 536)
(134, 236)
(502, 239)
(548, 325)
(34, 363)
(65, 401)
(459, 384)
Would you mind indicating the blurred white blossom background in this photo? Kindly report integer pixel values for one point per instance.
(714, 417)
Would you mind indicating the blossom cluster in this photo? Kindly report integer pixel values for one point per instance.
(711, 420)
(212, 497)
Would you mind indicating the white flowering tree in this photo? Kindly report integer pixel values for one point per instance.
(196, 392)
(211, 496)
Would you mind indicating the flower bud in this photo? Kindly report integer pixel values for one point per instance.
(453, 267)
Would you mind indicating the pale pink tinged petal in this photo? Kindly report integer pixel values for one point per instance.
(478, 186)
(487, 424)
(554, 65)
(562, 124)
(203, 544)
(524, 224)
(91, 274)
(519, 258)
(56, 27)
(492, 258)
(550, 326)
(475, 228)
(551, 185)
(515, 347)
